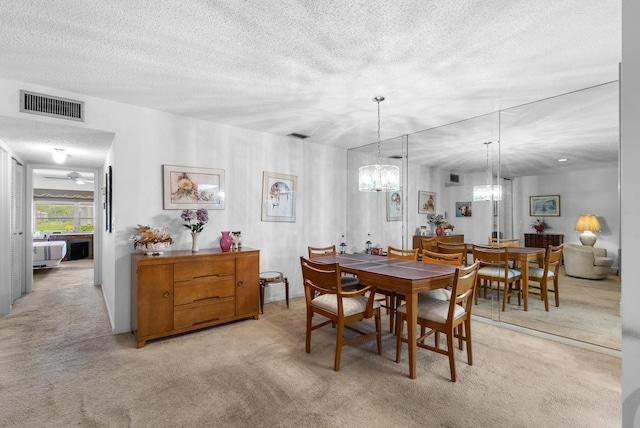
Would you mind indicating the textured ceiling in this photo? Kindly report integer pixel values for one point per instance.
(313, 67)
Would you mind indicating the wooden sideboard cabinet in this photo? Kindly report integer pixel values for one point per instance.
(450, 239)
(180, 291)
(542, 240)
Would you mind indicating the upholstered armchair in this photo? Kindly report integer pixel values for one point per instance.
(586, 262)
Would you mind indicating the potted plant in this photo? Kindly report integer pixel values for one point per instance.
(540, 225)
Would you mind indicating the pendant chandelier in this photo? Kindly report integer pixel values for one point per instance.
(378, 177)
(489, 191)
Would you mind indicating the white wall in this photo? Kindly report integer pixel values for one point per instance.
(146, 139)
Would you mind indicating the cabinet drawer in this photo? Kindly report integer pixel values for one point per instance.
(199, 289)
(191, 270)
(200, 313)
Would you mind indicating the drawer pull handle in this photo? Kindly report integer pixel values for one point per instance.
(166, 294)
(203, 322)
(239, 283)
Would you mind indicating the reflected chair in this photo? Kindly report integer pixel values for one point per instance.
(549, 274)
(324, 296)
(494, 266)
(504, 242)
(452, 318)
(453, 248)
(348, 281)
(427, 243)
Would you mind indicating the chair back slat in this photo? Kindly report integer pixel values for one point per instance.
(322, 251)
(504, 242)
(463, 289)
(398, 253)
(453, 259)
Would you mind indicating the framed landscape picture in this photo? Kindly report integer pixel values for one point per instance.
(278, 197)
(193, 188)
(547, 205)
(394, 206)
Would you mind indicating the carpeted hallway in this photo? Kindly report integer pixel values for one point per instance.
(61, 366)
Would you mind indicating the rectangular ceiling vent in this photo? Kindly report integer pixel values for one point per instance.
(45, 105)
(453, 180)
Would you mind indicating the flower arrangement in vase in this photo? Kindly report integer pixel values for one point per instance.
(437, 221)
(540, 225)
(151, 240)
(195, 221)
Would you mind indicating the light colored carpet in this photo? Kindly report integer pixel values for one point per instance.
(589, 311)
(60, 366)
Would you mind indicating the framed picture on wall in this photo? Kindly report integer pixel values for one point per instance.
(547, 205)
(279, 197)
(426, 202)
(394, 206)
(193, 188)
(463, 209)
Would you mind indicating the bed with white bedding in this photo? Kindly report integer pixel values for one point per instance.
(48, 254)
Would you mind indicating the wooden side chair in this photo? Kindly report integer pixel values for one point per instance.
(394, 299)
(428, 243)
(454, 259)
(452, 318)
(549, 274)
(504, 242)
(348, 281)
(494, 266)
(324, 296)
(453, 248)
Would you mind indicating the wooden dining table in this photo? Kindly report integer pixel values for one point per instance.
(403, 276)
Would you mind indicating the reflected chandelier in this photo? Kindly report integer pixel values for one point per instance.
(487, 192)
(378, 177)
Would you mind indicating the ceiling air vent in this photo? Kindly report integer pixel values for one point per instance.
(453, 180)
(45, 105)
(296, 135)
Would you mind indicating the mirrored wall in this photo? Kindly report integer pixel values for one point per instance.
(565, 147)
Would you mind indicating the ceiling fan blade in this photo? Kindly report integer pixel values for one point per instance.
(58, 178)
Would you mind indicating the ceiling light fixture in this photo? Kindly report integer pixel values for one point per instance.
(59, 155)
(489, 191)
(378, 177)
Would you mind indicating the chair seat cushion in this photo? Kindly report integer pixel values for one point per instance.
(434, 310)
(439, 293)
(350, 305)
(537, 273)
(602, 261)
(497, 272)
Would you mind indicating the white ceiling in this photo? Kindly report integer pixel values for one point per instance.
(310, 67)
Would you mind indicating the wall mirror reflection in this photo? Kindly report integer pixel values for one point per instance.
(565, 146)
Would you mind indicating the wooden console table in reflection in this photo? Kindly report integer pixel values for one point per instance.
(542, 240)
(449, 239)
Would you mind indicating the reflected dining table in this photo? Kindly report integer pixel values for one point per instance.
(521, 255)
(403, 276)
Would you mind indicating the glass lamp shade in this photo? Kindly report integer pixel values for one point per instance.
(59, 155)
(487, 192)
(378, 178)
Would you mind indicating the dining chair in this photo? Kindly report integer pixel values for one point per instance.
(454, 259)
(453, 248)
(348, 281)
(547, 274)
(324, 296)
(494, 266)
(452, 318)
(427, 242)
(504, 242)
(394, 298)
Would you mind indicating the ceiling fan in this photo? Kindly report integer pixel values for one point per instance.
(73, 176)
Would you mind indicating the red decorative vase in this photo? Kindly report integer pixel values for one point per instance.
(225, 242)
(439, 230)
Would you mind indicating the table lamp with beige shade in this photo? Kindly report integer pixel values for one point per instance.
(587, 224)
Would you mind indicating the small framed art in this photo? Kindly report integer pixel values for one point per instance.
(188, 187)
(394, 206)
(547, 205)
(279, 197)
(426, 202)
